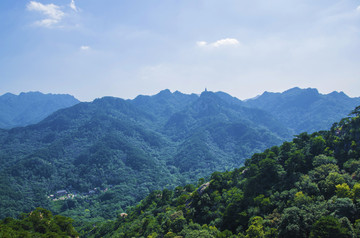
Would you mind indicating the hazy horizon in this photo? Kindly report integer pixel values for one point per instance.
(125, 48)
(172, 91)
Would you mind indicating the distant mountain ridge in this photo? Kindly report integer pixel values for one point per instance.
(305, 109)
(30, 108)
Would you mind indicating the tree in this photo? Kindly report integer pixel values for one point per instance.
(38, 223)
(343, 207)
(355, 112)
(328, 227)
(296, 162)
(343, 191)
(256, 229)
(307, 185)
(356, 191)
(345, 222)
(317, 145)
(328, 185)
(323, 159)
(292, 224)
(301, 198)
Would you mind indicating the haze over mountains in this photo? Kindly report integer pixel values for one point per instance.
(295, 106)
(305, 109)
(29, 108)
(132, 147)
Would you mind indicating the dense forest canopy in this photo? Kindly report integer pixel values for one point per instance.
(38, 223)
(308, 187)
(116, 146)
(94, 160)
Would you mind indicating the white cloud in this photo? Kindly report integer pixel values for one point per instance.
(85, 47)
(51, 11)
(201, 43)
(227, 41)
(73, 5)
(358, 8)
(219, 43)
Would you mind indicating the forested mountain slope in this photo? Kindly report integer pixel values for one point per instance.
(38, 223)
(30, 108)
(92, 160)
(116, 145)
(309, 187)
(90, 145)
(305, 109)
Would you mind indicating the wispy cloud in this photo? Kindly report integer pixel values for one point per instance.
(358, 8)
(73, 5)
(201, 43)
(219, 43)
(85, 47)
(51, 11)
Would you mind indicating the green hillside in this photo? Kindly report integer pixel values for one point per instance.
(111, 153)
(309, 187)
(38, 223)
(94, 160)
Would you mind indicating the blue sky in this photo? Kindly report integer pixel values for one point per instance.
(95, 48)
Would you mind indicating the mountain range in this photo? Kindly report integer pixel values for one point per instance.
(30, 108)
(305, 109)
(306, 187)
(132, 147)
